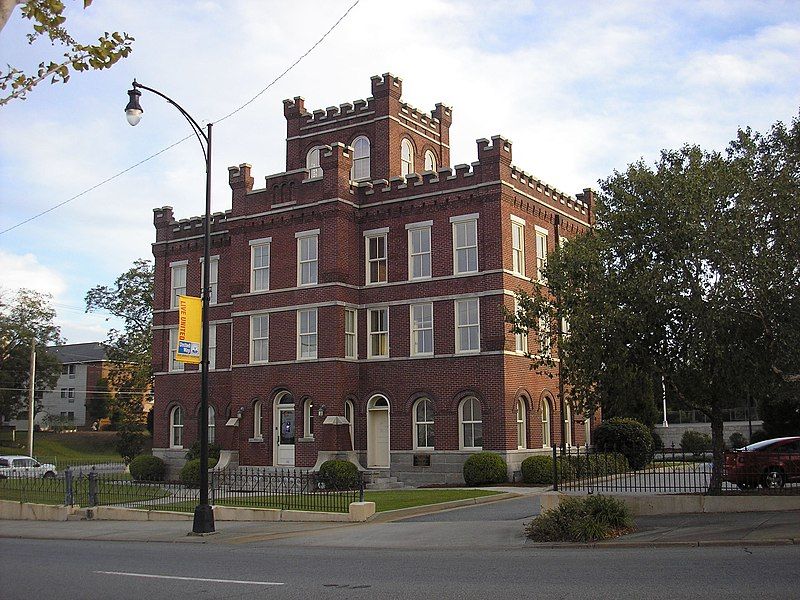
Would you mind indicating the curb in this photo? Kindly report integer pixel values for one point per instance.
(428, 509)
(654, 544)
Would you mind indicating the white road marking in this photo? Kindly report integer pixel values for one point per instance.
(146, 575)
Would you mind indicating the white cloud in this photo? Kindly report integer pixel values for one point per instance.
(25, 271)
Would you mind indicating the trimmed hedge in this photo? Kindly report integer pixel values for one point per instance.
(194, 451)
(695, 442)
(338, 474)
(627, 436)
(485, 468)
(539, 469)
(148, 468)
(190, 473)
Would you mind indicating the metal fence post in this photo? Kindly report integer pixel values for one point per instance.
(93, 488)
(69, 496)
(360, 486)
(555, 470)
(212, 478)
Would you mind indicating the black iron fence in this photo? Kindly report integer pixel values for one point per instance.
(251, 487)
(673, 471)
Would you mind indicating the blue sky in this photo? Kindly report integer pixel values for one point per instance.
(581, 89)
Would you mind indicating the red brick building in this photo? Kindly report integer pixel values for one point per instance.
(367, 281)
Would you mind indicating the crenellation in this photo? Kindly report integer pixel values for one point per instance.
(445, 173)
(413, 179)
(431, 176)
(346, 108)
(319, 114)
(397, 183)
(331, 112)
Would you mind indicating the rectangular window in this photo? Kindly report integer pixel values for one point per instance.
(517, 246)
(68, 370)
(541, 252)
(378, 323)
(71, 394)
(178, 282)
(421, 329)
(259, 338)
(465, 244)
(419, 251)
(307, 257)
(212, 347)
(259, 264)
(174, 365)
(213, 278)
(544, 336)
(63, 392)
(350, 324)
(468, 332)
(307, 333)
(377, 264)
(521, 339)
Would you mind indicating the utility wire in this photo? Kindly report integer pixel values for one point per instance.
(230, 114)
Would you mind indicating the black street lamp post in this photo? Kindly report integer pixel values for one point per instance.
(203, 514)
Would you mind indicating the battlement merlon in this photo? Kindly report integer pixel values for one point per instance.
(239, 179)
(386, 85)
(494, 158)
(336, 161)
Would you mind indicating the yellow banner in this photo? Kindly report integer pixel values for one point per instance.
(190, 329)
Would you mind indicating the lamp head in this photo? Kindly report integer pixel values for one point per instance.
(133, 112)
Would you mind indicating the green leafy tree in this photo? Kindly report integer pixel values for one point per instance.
(49, 21)
(691, 274)
(97, 401)
(129, 349)
(25, 315)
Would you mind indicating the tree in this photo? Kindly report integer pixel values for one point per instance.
(692, 274)
(25, 315)
(129, 350)
(48, 21)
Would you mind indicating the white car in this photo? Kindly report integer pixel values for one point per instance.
(25, 466)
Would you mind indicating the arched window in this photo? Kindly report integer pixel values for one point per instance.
(360, 159)
(257, 420)
(350, 415)
(308, 418)
(406, 157)
(430, 161)
(176, 427)
(471, 424)
(545, 423)
(212, 424)
(312, 164)
(521, 429)
(587, 424)
(423, 424)
(567, 424)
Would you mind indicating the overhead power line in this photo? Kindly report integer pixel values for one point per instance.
(230, 114)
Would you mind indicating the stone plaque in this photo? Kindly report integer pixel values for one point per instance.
(422, 460)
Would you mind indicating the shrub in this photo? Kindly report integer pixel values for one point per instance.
(582, 520)
(759, 436)
(658, 443)
(194, 451)
(538, 469)
(190, 473)
(695, 442)
(131, 440)
(627, 436)
(737, 440)
(485, 468)
(148, 468)
(600, 464)
(338, 474)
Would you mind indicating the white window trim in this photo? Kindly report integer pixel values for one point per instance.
(173, 297)
(383, 232)
(174, 366)
(370, 332)
(212, 424)
(258, 408)
(212, 298)
(546, 439)
(518, 220)
(515, 223)
(539, 232)
(455, 221)
(300, 236)
(524, 423)
(461, 423)
(425, 161)
(411, 229)
(212, 350)
(354, 333)
(457, 325)
(415, 433)
(406, 143)
(315, 334)
(252, 339)
(173, 426)
(308, 418)
(567, 424)
(317, 167)
(368, 158)
(520, 339)
(257, 243)
(412, 330)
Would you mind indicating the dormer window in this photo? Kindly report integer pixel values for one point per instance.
(430, 161)
(312, 164)
(360, 159)
(406, 157)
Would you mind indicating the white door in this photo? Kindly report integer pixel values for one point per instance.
(378, 433)
(284, 436)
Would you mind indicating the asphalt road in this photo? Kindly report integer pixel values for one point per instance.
(289, 568)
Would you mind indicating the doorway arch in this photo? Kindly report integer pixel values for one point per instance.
(378, 416)
(284, 427)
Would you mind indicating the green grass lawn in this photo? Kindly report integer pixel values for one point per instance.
(52, 491)
(80, 447)
(395, 499)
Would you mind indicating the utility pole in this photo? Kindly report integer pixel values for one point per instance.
(31, 396)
